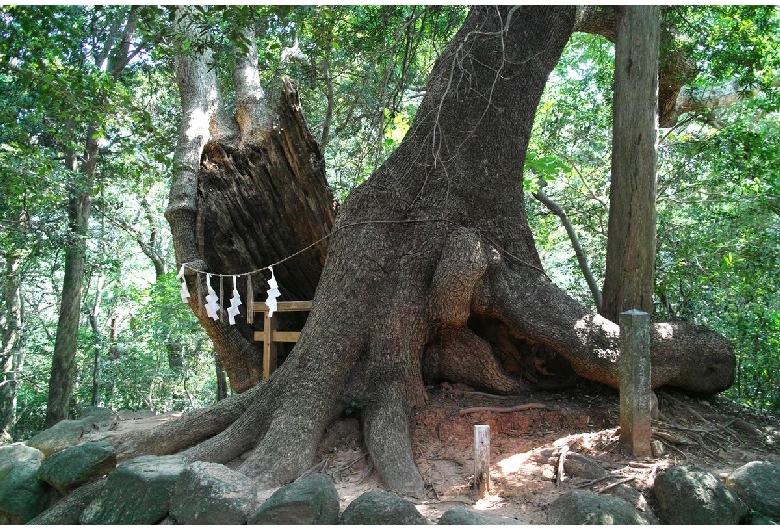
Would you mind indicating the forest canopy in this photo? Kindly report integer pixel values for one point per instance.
(90, 111)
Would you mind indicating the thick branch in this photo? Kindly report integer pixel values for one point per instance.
(690, 357)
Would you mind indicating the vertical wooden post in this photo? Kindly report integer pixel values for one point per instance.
(481, 459)
(269, 346)
(635, 390)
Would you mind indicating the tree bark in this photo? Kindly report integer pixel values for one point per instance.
(431, 273)
(676, 68)
(630, 271)
(63, 365)
(11, 351)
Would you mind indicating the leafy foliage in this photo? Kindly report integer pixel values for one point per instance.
(717, 184)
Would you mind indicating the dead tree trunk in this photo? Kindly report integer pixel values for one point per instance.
(428, 259)
(248, 192)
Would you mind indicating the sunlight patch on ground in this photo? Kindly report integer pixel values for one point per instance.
(664, 330)
(514, 463)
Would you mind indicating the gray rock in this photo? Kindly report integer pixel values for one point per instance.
(381, 507)
(310, 500)
(59, 437)
(584, 507)
(579, 465)
(208, 493)
(138, 492)
(69, 509)
(758, 484)
(22, 495)
(126, 414)
(582, 466)
(691, 495)
(75, 466)
(460, 516)
(758, 518)
(68, 433)
(102, 419)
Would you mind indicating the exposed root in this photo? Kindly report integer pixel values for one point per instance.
(189, 429)
(387, 438)
(516, 408)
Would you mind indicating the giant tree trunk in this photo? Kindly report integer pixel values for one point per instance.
(432, 274)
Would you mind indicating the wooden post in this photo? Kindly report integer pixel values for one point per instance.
(269, 346)
(635, 390)
(481, 459)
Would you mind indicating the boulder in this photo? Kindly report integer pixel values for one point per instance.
(209, 493)
(585, 467)
(585, 507)
(126, 414)
(760, 519)
(75, 466)
(68, 433)
(69, 509)
(22, 494)
(691, 495)
(460, 516)
(309, 500)
(100, 418)
(758, 484)
(582, 466)
(59, 436)
(381, 507)
(138, 492)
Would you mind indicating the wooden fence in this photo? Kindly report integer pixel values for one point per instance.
(270, 336)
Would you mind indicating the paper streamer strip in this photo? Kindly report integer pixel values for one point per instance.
(212, 300)
(185, 293)
(273, 293)
(233, 310)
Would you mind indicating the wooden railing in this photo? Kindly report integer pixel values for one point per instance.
(270, 336)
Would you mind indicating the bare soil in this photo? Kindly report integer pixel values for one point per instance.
(714, 433)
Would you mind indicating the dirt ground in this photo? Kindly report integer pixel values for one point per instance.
(714, 433)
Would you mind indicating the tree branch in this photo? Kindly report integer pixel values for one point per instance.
(579, 252)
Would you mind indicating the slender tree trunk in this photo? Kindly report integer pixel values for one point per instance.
(63, 368)
(98, 337)
(11, 351)
(629, 277)
(579, 252)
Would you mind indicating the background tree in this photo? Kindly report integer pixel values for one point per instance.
(629, 278)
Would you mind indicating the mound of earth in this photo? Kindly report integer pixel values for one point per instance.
(527, 435)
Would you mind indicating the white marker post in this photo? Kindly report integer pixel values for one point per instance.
(481, 459)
